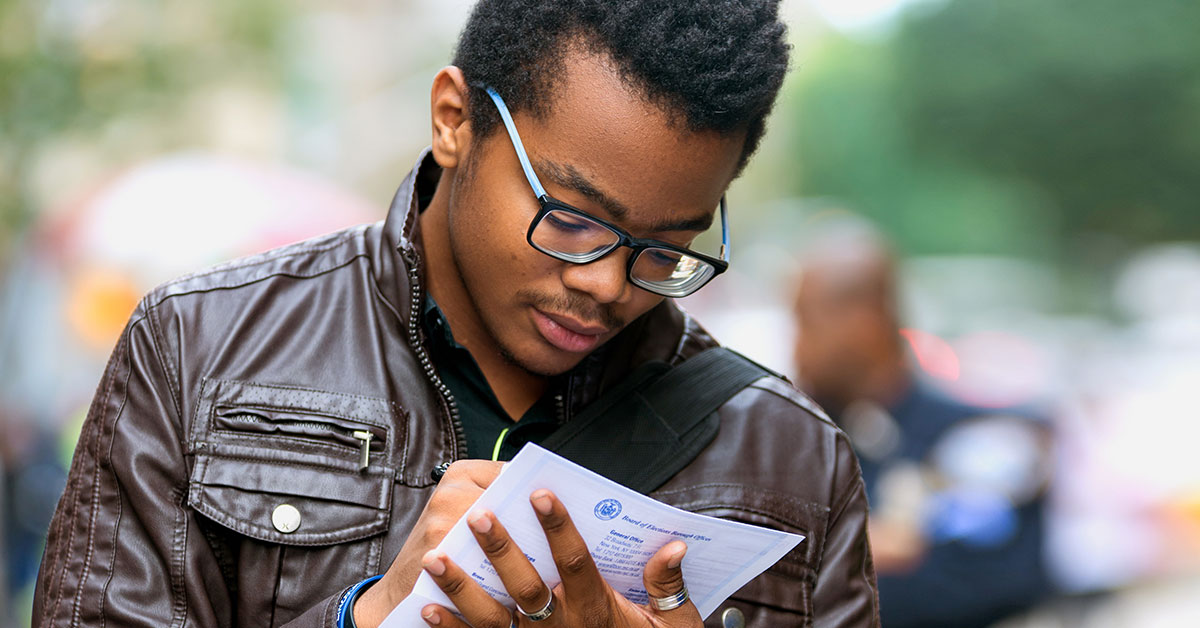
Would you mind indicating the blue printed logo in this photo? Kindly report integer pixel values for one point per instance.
(607, 509)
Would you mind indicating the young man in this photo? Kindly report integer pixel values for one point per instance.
(263, 439)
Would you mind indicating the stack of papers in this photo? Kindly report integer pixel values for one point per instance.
(621, 527)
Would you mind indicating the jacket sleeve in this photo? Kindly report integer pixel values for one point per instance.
(124, 548)
(845, 593)
(323, 614)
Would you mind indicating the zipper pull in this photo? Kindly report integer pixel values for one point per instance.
(365, 451)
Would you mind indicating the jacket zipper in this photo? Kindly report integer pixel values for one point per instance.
(363, 436)
(415, 341)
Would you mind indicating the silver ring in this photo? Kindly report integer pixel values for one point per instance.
(670, 602)
(543, 612)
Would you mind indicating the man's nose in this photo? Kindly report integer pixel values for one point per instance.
(604, 279)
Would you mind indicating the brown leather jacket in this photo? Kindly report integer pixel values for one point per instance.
(240, 388)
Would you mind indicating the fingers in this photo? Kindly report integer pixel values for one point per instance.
(520, 578)
(580, 578)
(471, 600)
(663, 575)
(663, 578)
(442, 618)
(478, 473)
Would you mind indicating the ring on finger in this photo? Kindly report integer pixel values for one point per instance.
(542, 613)
(670, 602)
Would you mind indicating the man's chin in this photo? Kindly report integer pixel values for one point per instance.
(543, 365)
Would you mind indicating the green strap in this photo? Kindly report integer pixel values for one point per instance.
(499, 441)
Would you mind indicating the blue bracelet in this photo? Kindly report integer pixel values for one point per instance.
(345, 610)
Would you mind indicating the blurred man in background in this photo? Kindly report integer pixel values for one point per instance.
(955, 490)
(31, 478)
(4, 603)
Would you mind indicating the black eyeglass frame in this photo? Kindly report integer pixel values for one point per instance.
(548, 204)
(638, 245)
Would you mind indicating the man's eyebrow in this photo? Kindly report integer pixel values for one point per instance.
(565, 175)
(700, 223)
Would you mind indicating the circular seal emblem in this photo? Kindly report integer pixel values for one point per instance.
(607, 509)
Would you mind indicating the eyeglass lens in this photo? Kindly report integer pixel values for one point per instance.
(572, 237)
(576, 238)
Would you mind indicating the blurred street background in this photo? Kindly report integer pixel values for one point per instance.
(1034, 165)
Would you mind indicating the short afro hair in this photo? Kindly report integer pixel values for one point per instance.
(714, 65)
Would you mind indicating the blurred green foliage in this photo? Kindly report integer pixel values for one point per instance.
(101, 71)
(1011, 126)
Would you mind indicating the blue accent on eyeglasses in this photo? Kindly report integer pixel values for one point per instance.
(538, 190)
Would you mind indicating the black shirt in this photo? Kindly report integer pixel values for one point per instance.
(491, 433)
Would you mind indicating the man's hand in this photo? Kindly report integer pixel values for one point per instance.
(583, 599)
(458, 489)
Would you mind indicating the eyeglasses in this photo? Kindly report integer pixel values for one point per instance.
(572, 235)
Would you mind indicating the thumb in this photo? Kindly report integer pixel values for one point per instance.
(663, 578)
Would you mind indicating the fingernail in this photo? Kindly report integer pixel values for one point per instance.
(480, 522)
(677, 558)
(430, 615)
(433, 564)
(541, 502)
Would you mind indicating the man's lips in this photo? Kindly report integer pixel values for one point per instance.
(575, 325)
(568, 334)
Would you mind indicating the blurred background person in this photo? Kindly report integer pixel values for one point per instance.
(956, 491)
(31, 478)
(4, 602)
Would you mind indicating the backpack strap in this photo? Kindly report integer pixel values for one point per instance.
(654, 422)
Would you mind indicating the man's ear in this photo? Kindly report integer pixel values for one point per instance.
(448, 109)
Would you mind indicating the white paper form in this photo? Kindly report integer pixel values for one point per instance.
(622, 529)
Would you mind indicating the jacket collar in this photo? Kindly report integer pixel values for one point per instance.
(666, 333)
(397, 253)
(402, 227)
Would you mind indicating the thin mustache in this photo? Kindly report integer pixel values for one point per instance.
(576, 306)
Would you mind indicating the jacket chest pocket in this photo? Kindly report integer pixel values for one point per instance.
(781, 595)
(303, 477)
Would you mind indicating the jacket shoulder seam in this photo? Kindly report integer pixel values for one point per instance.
(253, 280)
(813, 411)
(164, 293)
(174, 385)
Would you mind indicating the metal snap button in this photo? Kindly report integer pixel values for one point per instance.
(733, 618)
(286, 518)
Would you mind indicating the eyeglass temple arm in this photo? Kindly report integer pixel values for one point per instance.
(516, 140)
(724, 232)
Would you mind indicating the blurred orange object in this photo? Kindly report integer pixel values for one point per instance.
(99, 301)
(1182, 523)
